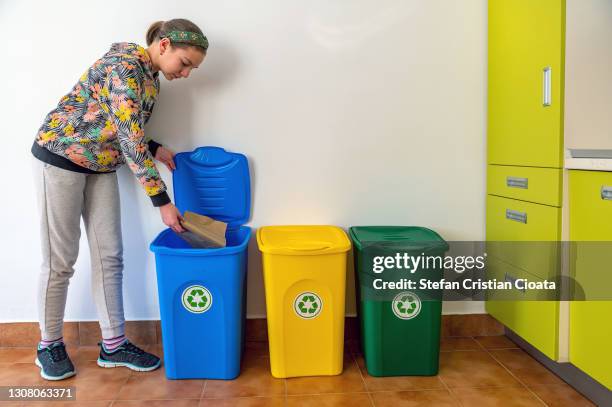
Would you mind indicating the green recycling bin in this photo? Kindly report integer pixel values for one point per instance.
(398, 270)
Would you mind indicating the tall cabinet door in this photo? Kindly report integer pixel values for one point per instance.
(591, 231)
(526, 71)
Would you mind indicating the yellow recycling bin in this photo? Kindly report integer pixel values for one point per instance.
(304, 270)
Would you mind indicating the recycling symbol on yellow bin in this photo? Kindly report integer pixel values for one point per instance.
(406, 305)
(307, 305)
(196, 299)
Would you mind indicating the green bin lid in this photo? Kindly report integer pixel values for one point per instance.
(407, 238)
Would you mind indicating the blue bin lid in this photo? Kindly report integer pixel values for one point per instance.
(215, 183)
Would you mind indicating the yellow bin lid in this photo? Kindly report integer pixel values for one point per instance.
(302, 240)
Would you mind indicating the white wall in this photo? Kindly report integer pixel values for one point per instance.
(588, 78)
(352, 112)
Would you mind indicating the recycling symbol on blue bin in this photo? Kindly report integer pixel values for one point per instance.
(196, 299)
(406, 305)
(307, 305)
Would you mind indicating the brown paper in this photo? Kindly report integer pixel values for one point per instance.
(202, 231)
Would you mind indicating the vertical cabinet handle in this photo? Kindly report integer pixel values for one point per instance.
(547, 86)
(606, 193)
(516, 216)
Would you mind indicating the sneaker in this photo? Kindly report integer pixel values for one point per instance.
(54, 362)
(128, 355)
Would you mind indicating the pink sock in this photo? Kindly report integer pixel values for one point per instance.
(45, 344)
(114, 343)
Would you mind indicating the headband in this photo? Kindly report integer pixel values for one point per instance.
(187, 37)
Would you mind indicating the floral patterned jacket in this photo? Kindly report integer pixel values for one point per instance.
(99, 124)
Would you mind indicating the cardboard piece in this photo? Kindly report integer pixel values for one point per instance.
(203, 232)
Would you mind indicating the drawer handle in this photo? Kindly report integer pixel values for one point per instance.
(547, 86)
(516, 182)
(606, 193)
(516, 216)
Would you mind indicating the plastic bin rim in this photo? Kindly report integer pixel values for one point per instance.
(359, 244)
(188, 251)
(339, 248)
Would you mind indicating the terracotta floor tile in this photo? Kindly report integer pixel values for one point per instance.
(158, 334)
(458, 343)
(69, 403)
(19, 334)
(244, 402)
(397, 383)
(474, 325)
(496, 342)
(154, 385)
(473, 369)
(560, 395)
(350, 381)
(141, 332)
(157, 403)
(527, 369)
(445, 329)
(491, 327)
(93, 382)
(89, 333)
(424, 398)
(83, 354)
(330, 400)
(18, 355)
(71, 333)
(463, 325)
(156, 349)
(256, 330)
(493, 397)
(256, 349)
(254, 380)
(20, 374)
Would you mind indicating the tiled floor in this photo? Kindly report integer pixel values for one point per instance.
(481, 371)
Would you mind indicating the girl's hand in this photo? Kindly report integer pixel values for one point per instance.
(166, 156)
(171, 217)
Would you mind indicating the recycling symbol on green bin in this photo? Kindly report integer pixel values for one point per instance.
(307, 305)
(406, 305)
(196, 299)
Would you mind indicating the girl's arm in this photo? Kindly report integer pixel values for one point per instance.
(122, 99)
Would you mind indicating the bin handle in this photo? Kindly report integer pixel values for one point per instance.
(309, 247)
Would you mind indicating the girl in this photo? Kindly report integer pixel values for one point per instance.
(97, 127)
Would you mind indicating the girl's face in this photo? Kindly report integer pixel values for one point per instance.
(176, 63)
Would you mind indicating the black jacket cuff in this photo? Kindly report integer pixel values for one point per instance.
(160, 199)
(153, 146)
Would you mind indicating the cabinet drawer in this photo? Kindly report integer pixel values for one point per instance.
(528, 315)
(539, 185)
(513, 220)
(525, 235)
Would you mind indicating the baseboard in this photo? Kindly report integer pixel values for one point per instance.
(87, 333)
(585, 384)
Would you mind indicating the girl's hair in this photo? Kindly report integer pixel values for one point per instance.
(159, 28)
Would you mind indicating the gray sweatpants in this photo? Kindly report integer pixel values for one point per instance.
(63, 197)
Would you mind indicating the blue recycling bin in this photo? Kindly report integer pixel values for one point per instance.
(202, 293)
